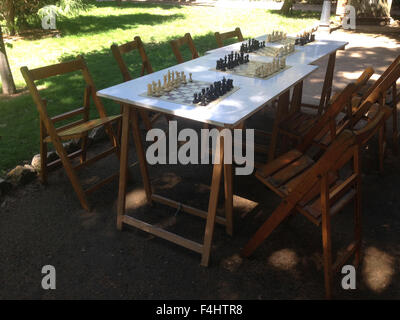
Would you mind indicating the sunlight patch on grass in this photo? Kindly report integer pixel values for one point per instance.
(92, 33)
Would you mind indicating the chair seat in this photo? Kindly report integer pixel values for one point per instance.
(283, 175)
(79, 130)
(298, 123)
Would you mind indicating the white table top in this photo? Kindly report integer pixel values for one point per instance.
(229, 112)
(306, 54)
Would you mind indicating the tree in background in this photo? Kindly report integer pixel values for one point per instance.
(286, 7)
(7, 80)
(17, 13)
(373, 8)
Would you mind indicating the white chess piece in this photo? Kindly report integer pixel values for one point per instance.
(149, 91)
(190, 77)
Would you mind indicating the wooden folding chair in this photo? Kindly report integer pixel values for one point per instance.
(220, 37)
(118, 51)
(316, 190)
(391, 100)
(377, 95)
(357, 110)
(299, 122)
(77, 129)
(185, 40)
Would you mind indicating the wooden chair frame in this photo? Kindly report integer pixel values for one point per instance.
(118, 51)
(136, 44)
(77, 129)
(177, 43)
(377, 95)
(220, 37)
(297, 179)
(393, 104)
(304, 121)
(319, 180)
(355, 112)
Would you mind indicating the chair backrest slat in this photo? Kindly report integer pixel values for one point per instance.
(56, 69)
(119, 50)
(220, 37)
(177, 43)
(379, 92)
(382, 77)
(340, 152)
(78, 64)
(340, 102)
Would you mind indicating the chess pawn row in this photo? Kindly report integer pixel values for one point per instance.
(172, 80)
(285, 50)
(276, 36)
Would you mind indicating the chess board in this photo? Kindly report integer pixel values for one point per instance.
(270, 52)
(184, 93)
(249, 70)
(288, 40)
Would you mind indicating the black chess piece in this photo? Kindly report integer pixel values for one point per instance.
(195, 100)
(229, 84)
(203, 101)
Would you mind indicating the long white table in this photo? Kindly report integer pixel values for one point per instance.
(307, 54)
(229, 113)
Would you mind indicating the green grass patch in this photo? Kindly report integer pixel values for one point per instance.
(92, 33)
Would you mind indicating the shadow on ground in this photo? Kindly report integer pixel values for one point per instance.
(45, 225)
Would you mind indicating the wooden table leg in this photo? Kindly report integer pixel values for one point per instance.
(228, 183)
(283, 106)
(141, 155)
(212, 205)
(296, 97)
(123, 165)
(327, 87)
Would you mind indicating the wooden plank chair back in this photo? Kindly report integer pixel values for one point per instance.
(119, 50)
(392, 94)
(146, 68)
(220, 37)
(297, 124)
(77, 129)
(185, 40)
(355, 117)
(316, 190)
(377, 97)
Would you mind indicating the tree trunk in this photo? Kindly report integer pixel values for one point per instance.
(372, 9)
(286, 7)
(7, 80)
(10, 16)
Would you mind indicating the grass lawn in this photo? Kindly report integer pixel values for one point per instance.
(92, 33)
